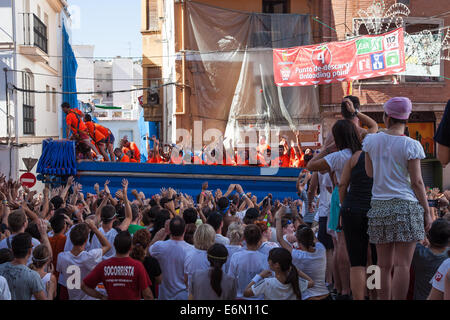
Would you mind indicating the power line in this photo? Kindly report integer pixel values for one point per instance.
(82, 78)
(97, 92)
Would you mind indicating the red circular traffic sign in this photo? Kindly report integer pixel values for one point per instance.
(28, 180)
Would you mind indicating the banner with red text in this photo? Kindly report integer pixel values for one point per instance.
(361, 58)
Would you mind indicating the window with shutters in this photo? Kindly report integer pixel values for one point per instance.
(152, 15)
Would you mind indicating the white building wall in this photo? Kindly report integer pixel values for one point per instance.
(122, 69)
(85, 70)
(46, 76)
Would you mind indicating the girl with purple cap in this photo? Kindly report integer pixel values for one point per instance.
(399, 214)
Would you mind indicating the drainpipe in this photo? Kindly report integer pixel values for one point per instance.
(14, 93)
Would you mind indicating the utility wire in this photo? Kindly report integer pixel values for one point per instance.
(82, 78)
(97, 92)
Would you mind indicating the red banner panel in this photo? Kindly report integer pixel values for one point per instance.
(361, 58)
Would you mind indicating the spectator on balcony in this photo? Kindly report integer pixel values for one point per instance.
(96, 130)
(130, 146)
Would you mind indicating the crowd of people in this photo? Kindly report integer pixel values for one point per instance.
(361, 202)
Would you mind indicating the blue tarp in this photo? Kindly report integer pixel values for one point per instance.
(70, 66)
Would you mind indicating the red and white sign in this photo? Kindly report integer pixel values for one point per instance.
(141, 100)
(28, 180)
(344, 61)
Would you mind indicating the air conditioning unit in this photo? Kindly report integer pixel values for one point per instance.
(153, 97)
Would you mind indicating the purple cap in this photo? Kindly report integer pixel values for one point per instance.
(398, 108)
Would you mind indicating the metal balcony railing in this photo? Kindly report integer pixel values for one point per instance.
(34, 32)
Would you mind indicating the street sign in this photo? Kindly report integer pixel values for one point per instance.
(29, 163)
(28, 180)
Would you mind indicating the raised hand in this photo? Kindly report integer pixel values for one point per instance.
(349, 105)
(124, 185)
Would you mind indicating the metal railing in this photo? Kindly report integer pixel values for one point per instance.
(117, 115)
(34, 32)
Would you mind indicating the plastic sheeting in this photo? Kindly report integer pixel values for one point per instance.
(230, 63)
(70, 66)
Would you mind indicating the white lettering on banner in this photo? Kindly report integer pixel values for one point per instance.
(74, 280)
(119, 271)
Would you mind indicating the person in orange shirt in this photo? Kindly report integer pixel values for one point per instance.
(153, 155)
(95, 128)
(263, 146)
(297, 155)
(121, 157)
(76, 128)
(98, 138)
(126, 145)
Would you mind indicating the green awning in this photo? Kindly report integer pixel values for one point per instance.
(107, 107)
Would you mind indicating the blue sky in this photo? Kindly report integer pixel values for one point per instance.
(111, 25)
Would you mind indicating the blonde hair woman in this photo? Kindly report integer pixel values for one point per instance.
(236, 235)
(196, 259)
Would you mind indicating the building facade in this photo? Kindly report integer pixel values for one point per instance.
(105, 77)
(164, 28)
(31, 49)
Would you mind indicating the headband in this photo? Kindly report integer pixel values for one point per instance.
(219, 258)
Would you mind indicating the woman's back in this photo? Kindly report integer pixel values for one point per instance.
(360, 193)
(314, 265)
(390, 155)
(201, 288)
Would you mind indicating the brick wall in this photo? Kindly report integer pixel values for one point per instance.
(339, 16)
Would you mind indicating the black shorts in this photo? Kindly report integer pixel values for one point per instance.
(355, 224)
(323, 236)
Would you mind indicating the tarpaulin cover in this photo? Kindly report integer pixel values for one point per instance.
(70, 66)
(230, 65)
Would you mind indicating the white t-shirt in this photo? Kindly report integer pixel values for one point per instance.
(273, 289)
(241, 214)
(325, 197)
(4, 245)
(195, 260)
(244, 265)
(267, 246)
(110, 236)
(171, 255)
(336, 161)
(45, 280)
(5, 294)
(438, 281)
(232, 249)
(314, 264)
(222, 240)
(86, 261)
(390, 155)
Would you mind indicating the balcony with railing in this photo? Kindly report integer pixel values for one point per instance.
(116, 115)
(35, 40)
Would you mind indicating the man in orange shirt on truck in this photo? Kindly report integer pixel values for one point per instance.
(102, 137)
(76, 128)
(130, 146)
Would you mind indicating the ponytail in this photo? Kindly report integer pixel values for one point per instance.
(292, 278)
(217, 256)
(216, 277)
